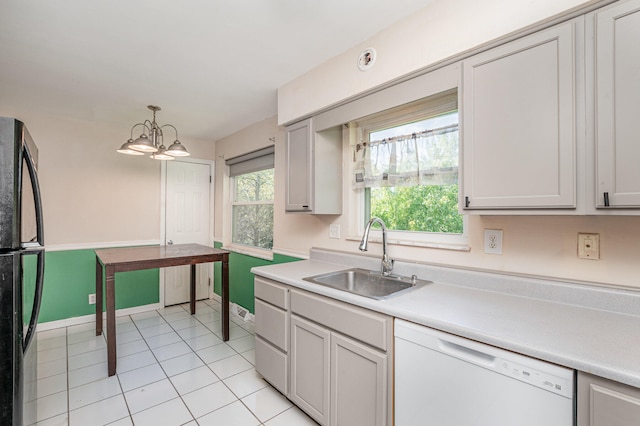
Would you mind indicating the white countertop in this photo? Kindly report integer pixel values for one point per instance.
(591, 329)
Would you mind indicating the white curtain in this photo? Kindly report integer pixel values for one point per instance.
(425, 158)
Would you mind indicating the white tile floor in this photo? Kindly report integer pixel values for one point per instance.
(173, 369)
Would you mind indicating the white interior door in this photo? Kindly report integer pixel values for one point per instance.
(187, 219)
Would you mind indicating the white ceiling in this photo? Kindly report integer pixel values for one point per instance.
(212, 65)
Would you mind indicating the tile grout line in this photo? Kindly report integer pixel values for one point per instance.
(238, 398)
(126, 403)
(207, 365)
(192, 350)
(167, 377)
(66, 350)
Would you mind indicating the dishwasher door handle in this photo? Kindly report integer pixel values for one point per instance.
(465, 353)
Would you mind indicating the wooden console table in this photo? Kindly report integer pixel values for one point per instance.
(136, 258)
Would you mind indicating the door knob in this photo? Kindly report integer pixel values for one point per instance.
(170, 242)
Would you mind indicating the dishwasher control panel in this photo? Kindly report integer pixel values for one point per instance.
(534, 377)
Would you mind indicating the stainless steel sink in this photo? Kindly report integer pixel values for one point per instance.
(367, 283)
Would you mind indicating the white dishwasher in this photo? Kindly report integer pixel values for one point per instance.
(446, 380)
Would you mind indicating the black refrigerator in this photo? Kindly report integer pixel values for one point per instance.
(21, 272)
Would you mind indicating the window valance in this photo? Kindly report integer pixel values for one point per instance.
(425, 158)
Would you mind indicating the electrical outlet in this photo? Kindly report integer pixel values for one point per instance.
(92, 299)
(589, 246)
(493, 241)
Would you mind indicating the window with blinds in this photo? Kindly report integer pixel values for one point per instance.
(252, 190)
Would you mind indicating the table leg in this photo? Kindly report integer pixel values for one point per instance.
(98, 297)
(111, 319)
(225, 298)
(192, 289)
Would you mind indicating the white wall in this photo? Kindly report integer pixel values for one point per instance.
(437, 32)
(92, 194)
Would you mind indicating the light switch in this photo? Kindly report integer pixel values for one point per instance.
(334, 230)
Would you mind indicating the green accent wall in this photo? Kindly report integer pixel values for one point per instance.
(240, 276)
(70, 276)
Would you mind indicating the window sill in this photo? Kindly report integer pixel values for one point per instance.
(250, 251)
(457, 246)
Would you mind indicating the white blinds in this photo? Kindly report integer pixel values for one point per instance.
(255, 161)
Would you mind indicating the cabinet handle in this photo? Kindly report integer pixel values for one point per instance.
(466, 201)
(606, 199)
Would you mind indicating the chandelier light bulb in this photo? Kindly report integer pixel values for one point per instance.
(126, 149)
(176, 149)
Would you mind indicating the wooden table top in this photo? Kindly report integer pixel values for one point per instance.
(122, 255)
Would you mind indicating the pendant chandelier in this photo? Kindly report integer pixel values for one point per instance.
(151, 141)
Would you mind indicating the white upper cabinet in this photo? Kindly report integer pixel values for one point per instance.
(313, 169)
(299, 162)
(519, 124)
(617, 106)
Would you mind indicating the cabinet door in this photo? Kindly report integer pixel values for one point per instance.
(518, 116)
(603, 402)
(299, 156)
(618, 105)
(358, 384)
(309, 359)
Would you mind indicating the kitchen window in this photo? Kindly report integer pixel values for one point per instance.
(405, 168)
(252, 190)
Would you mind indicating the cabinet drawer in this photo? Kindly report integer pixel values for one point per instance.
(272, 365)
(367, 326)
(276, 294)
(271, 324)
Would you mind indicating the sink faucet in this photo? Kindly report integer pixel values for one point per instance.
(387, 263)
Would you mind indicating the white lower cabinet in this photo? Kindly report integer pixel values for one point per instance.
(273, 365)
(341, 361)
(272, 333)
(336, 363)
(310, 353)
(358, 383)
(335, 379)
(603, 402)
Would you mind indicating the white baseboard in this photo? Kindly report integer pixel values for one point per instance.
(234, 309)
(50, 325)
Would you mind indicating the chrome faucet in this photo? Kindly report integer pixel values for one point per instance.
(387, 263)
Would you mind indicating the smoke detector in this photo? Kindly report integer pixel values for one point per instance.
(366, 59)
